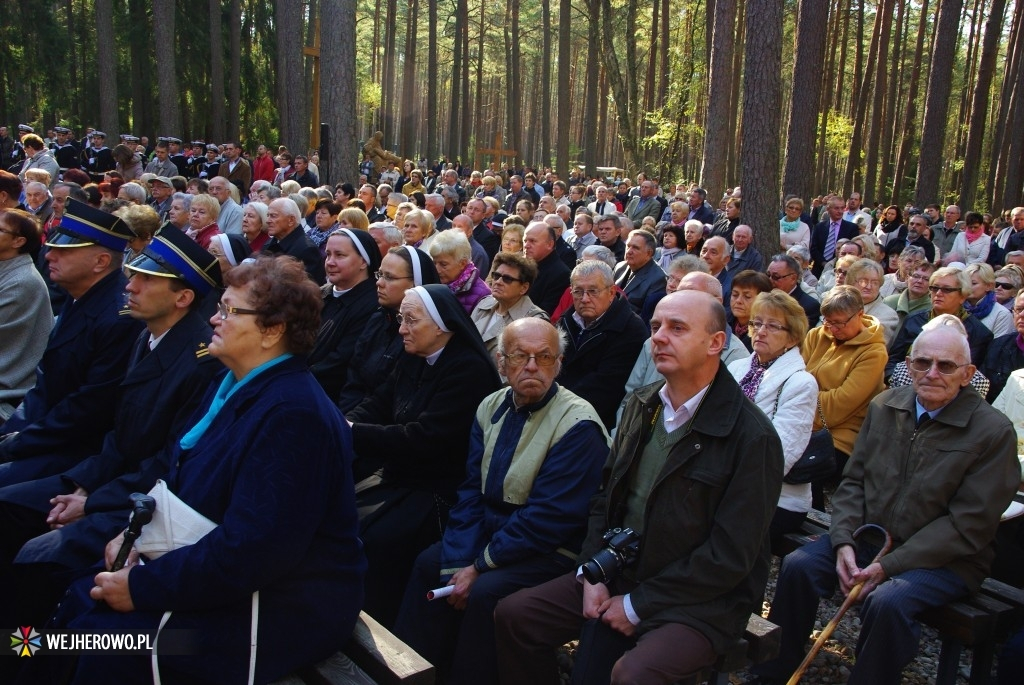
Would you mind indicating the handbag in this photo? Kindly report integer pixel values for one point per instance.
(819, 458)
(175, 524)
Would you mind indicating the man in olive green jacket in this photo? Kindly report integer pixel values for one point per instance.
(696, 470)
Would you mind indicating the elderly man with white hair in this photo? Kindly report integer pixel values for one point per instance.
(283, 219)
(935, 466)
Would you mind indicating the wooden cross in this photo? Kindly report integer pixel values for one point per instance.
(497, 151)
(314, 52)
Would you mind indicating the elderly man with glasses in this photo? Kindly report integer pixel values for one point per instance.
(935, 466)
(604, 337)
(535, 457)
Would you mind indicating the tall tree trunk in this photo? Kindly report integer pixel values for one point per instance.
(623, 82)
(338, 95)
(593, 137)
(891, 116)
(798, 178)
(936, 108)
(479, 129)
(433, 111)
(388, 80)
(466, 129)
(878, 89)
(106, 69)
(515, 90)
(544, 159)
(716, 128)
(139, 69)
(907, 137)
(663, 44)
(732, 156)
(1014, 51)
(235, 70)
(1011, 186)
(564, 98)
(217, 72)
(410, 111)
(762, 95)
(452, 149)
(167, 68)
(652, 62)
(979, 103)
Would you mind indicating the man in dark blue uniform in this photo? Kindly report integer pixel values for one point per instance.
(66, 152)
(169, 372)
(97, 158)
(64, 417)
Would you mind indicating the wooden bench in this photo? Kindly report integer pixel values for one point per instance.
(979, 621)
(760, 643)
(372, 656)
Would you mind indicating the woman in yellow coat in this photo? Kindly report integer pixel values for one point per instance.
(847, 356)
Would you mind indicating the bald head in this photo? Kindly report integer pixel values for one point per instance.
(463, 223)
(703, 282)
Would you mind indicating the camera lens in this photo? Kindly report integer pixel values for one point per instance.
(601, 567)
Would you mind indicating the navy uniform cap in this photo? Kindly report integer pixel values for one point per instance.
(84, 225)
(198, 143)
(172, 254)
(176, 141)
(25, 128)
(99, 134)
(61, 129)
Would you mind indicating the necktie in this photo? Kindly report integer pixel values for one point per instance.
(923, 419)
(830, 244)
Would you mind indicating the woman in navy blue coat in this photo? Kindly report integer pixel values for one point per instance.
(267, 459)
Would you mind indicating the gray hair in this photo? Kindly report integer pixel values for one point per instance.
(688, 263)
(272, 191)
(556, 222)
(648, 237)
(600, 253)
(134, 191)
(913, 251)
(803, 255)
(591, 267)
(184, 198)
(392, 236)
(289, 207)
(434, 198)
(259, 208)
(453, 244)
(300, 202)
(259, 184)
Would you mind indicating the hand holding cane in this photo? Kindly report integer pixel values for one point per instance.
(143, 507)
(850, 599)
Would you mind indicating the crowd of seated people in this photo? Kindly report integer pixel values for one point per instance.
(406, 388)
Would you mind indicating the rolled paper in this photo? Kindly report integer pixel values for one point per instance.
(440, 592)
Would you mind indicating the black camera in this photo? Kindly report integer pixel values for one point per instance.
(623, 546)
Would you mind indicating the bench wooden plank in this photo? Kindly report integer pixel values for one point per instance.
(337, 669)
(384, 657)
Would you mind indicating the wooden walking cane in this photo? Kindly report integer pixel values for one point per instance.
(850, 599)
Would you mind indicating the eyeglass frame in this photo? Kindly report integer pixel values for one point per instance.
(382, 275)
(934, 364)
(525, 359)
(226, 310)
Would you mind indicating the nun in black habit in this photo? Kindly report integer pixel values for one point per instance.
(415, 431)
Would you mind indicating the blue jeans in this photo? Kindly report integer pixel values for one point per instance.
(889, 633)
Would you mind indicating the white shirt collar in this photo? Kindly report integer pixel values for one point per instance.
(677, 418)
